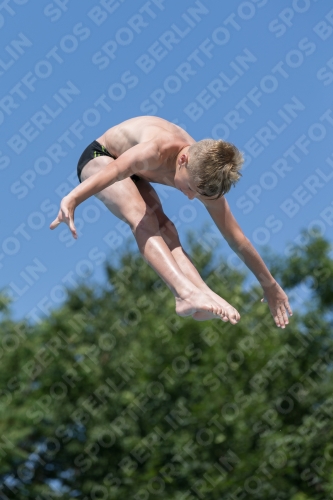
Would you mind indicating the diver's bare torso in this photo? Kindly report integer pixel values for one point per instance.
(169, 137)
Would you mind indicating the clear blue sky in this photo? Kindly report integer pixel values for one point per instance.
(256, 73)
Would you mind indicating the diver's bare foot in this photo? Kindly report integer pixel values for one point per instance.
(198, 305)
(232, 314)
(204, 315)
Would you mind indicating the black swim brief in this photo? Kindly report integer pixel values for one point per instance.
(94, 150)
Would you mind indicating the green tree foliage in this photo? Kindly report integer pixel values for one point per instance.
(114, 396)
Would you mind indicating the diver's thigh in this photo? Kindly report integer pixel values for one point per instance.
(122, 198)
(152, 199)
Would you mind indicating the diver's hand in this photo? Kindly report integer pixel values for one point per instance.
(66, 214)
(278, 304)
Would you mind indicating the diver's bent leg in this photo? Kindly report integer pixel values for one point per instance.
(124, 200)
(170, 234)
(155, 251)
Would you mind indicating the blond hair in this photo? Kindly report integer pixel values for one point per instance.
(214, 166)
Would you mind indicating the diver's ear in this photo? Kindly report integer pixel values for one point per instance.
(182, 160)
